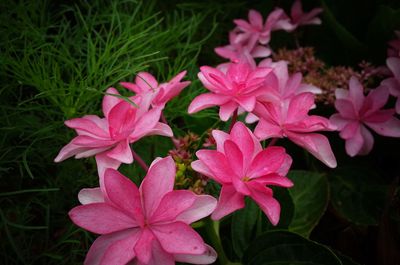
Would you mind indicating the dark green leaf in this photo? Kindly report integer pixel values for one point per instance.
(284, 248)
(358, 194)
(243, 226)
(310, 195)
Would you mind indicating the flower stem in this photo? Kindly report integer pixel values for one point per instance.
(233, 121)
(212, 228)
(273, 142)
(140, 161)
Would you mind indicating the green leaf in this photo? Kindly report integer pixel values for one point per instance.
(310, 195)
(285, 248)
(358, 194)
(243, 226)
(345, 36)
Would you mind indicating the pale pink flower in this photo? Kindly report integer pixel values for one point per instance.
(145, 84)
(109, 138)
(393, 83)
(243, 169)
(289, 118)
(239, 86)
(299, 17)
(241, 50)
(357, 111)
(149, 225)
(394, 49)
(255, 30)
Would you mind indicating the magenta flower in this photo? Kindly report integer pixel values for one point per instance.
(238, 87)
(255, 30)
(356, 112)
(149, 225)
(393, 83)
(241, 50)
(299, 17)
(394, 46)
(146, 84)
(243, 169)
(109, 138)
(289, 118)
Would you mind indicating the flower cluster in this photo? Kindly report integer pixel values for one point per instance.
(152, 224)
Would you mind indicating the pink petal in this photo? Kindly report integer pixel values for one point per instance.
(159, 256)
(103, 162)
(121, 152)
(299, 106)
(201, 168)
(244, 139)
(234, 157)
(394, 65)
(356, 92)
(68, 151)
(317, 144)
(208, 257)
(220, 137)
(293, 85)
(238, 72)
(267, 161)
(229, 201)
(275, 180)
(341, 93)
(203, 206)
(124, 194)
(109, 101)
(261, 51)
(243, 24)
(346, 108)
(101, 218)
(248, 103)
(375, 100)
(217, 164)
(131, 86)
(390, 128)
(146, 81)
(297, 10)
(173, 204)
(338, 121)
(90, 142)
(146, 123)
(263, 197)
(102, 243)
(350, 129)
(179, 238)
(121, 120)
(88, 127)
(161, 129)
(265, 130)
(255, 19)
(207, 100)
(121, 251)
(215, 78)
(143, 247)
(159, 181)
(226, 110)
(94, 195)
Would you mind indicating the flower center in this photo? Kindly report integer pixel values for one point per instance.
(245, 179)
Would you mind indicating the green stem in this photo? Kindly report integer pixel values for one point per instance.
(212, 228)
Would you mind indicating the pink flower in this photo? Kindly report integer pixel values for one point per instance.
(280, 85)
(299, 17)
(289, 118)
(255, 30)
(241, 50)
(238, 87)
(243, 169)
(394, 49)
(149, 225)
(145, 84)
(109, 138)
(356, 112)
(393, 83)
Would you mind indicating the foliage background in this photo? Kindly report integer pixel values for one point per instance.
(56, 60)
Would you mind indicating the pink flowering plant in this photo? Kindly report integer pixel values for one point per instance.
(266, 151)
